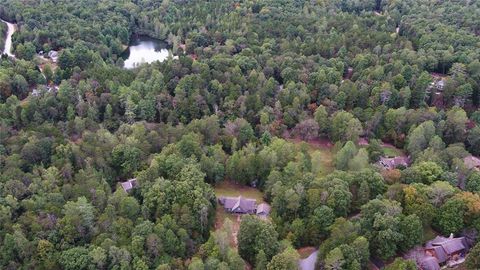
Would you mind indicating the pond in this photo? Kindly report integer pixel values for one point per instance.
(144, 49)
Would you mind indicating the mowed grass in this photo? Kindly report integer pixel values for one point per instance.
(231, 189)
(324, 148)
(392, 151)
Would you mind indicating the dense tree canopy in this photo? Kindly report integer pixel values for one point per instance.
(356, 81)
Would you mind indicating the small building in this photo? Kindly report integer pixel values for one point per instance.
(53, 55)
(263, 210)
(472, 162)
(36, 92)
(129, 184)
(239, 205)
(436, 87)
(390, 163)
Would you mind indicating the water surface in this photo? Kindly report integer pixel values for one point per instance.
(144, 49)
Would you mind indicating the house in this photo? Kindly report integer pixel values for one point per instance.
(443, 251)
(472, 163)
(129, 184)
(53, 55)
(390, 163)
(263, 210)
(239, 205)
(429, 263)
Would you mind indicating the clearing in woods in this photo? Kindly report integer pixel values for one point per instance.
(231, 189)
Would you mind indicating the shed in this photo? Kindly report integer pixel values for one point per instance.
(129, 184)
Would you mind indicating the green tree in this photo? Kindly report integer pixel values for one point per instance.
(375, 150)
(321, 117)
(320, 222)
(78, 219)
(261, 261)
(473, 258)
(402, 264)
(255, 235)
(450, 217)
(345, 127)
(412, 230)
(345, 155)
(335, 260)
(286, 260)
(75, 258)
(126, 158)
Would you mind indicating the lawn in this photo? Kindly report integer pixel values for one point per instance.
(324, 147)
(392, 151)
(231, 189)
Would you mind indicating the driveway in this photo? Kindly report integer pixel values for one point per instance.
(309, 262)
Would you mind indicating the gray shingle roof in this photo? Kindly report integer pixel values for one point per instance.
(239, 204)
(429, 263)
(129, 184)
(453, 245)
(440, 254)
(263, 209)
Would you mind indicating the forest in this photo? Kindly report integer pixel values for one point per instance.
(300, 104)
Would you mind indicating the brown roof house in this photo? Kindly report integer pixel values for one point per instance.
(472, 163)
(129, 184)
(388, 163)
(444, 251)
(241, 205)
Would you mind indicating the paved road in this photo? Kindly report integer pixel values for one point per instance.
(8, 40)
(309, 262)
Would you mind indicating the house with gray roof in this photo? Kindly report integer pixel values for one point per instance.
(239, 205)
(390, 163)
(242, 205)
(429, 263)
(443, 251)
(263, 209)
(129, 184)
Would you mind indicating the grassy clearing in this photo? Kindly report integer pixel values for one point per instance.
(232, 189)
(325, 150)
(392, 151)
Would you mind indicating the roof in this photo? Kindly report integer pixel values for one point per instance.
(453, 245)
(263, 209)
(52, 53)
(440, 254)
(129, 184)
(449, 245)
(392, 163)
(471, 162)
(437, 240)
(429, 263)
(239, 204)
